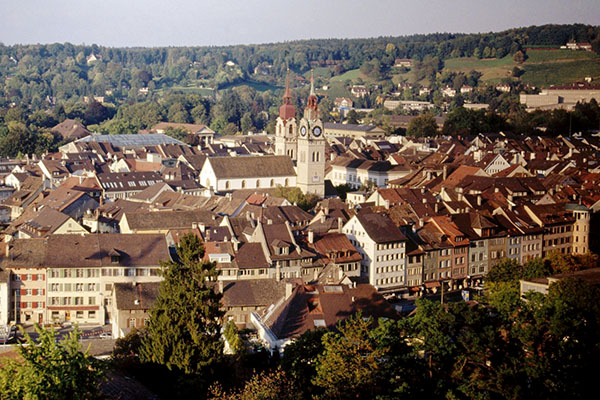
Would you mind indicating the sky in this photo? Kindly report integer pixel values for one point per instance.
(150, 23)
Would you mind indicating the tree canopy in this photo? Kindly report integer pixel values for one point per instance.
(51, 369)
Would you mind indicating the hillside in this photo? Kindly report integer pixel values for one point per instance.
(542, 68)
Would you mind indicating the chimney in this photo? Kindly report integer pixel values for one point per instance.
(444, 172)
(289, 288)
(202, 226)
(436, 207)
(221, 287)
(236, 245)
(7, 250)
(340, 224)
(424, 200)
(323, 217)
(479, 200)
(311, 236)
(207, 235)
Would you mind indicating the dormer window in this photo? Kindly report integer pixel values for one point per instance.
(115, 256)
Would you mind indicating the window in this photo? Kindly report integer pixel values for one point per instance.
(243, 183)
(91, 314)
(131, 323)
(79, 315)
(91, 301)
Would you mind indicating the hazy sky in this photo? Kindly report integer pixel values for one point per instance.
(201, 22)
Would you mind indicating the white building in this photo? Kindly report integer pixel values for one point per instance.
(224, 174)
(382, 247)
(356, 172)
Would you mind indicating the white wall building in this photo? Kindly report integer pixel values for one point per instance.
(224, 174)
(382, 247)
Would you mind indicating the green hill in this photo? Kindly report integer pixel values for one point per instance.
(543, 67)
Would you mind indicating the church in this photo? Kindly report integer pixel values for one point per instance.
(303, 141)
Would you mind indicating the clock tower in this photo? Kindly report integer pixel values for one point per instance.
(286, 128)
(311, 148)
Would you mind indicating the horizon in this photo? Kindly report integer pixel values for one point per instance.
(184, 23)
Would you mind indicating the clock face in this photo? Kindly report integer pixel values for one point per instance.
(303, 131)
(317, 131)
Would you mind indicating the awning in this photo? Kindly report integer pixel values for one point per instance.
(433, 284)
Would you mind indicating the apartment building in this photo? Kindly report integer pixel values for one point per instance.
(71, 277)
(382, 247)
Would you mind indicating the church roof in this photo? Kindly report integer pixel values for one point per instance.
(252, 166)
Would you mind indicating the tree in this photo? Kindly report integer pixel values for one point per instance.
(423, 125)
(51, 370)
(301, 356)
(507, 270)
(519, 57)
(559, 337)
(295, 196)
(184, 331)
(274, 385)
(233, 337)
(95, 113)
(352, 117)
(350, 363)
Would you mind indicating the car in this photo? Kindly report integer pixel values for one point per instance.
(105, 335)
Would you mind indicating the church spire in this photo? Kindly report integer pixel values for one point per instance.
(287, 95)
(287, 110)
(312, 111)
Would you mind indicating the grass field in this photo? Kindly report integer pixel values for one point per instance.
(337, 89)
(544, 56)
(258, 86)
(189, 89)
(493, 69)
(351, 75)
(556, 73)
(406, 77)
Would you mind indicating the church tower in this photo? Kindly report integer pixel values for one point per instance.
(311, 148)
(286, 128)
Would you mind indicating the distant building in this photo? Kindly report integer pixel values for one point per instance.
(403, 62)
(572, 45)
(561, 97)
(352, 130)
(359, 91)
(448, 92)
